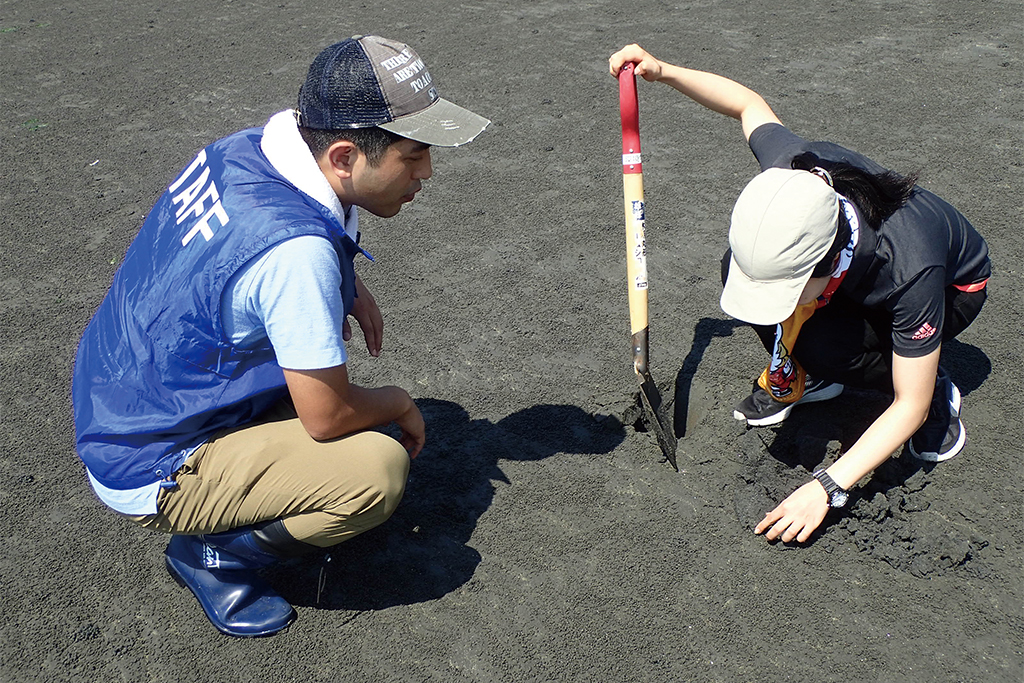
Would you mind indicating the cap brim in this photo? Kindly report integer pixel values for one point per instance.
(442, 124)
(759, 302)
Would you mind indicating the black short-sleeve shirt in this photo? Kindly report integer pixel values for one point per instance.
(906, 266)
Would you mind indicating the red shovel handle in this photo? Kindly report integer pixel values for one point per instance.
(629, 110)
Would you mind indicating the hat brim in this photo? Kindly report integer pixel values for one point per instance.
(760, 302)
(442, 124)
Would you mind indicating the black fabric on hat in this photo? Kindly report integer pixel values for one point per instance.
(342, 91)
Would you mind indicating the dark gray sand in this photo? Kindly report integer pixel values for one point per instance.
(541, 538)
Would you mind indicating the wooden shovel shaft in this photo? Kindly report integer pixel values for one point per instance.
(636, 258)
(633, 203)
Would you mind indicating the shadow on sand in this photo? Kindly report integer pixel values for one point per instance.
(421, 553)
(818, 433)
(704, 331)
(814, 435)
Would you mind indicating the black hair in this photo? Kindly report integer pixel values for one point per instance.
(876, 195)
(839, 243)
(373, 142)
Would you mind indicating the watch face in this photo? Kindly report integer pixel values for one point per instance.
(839, 499)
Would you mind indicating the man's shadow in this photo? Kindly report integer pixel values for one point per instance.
(421, 553)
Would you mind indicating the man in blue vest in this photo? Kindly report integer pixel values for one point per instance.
(210, 391)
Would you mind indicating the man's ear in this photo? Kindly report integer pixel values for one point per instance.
(341, 157)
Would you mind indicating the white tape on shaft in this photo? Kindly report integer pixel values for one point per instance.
(631, 159)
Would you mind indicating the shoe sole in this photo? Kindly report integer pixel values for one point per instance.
(765, 421)
(829, 392)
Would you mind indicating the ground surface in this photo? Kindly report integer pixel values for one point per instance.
(540, 538)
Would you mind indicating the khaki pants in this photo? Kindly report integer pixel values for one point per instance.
(325, 492)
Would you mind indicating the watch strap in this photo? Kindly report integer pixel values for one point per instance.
(829, 484)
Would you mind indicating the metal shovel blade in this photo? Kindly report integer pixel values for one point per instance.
(651, 398)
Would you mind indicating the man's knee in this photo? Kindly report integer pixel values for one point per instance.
(389, 472)
(364, 497)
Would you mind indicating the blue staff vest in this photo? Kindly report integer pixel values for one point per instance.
(155, 374)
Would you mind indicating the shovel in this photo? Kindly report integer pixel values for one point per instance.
(636, 262)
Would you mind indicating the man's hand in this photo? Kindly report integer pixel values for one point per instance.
(367, 314)
(798, 516)
(329, 407)
(413, 430)
(646, 65)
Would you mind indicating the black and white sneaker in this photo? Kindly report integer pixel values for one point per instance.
(942, 435)
(760, 409)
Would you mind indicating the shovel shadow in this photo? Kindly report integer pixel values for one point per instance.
(704, 331)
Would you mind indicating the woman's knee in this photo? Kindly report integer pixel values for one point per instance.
(961, 310)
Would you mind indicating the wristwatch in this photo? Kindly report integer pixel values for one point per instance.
(837, 495)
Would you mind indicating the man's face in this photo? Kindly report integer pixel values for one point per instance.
(382, 189)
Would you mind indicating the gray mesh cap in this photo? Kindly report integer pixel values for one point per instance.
(372, 81)
(782, 225)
